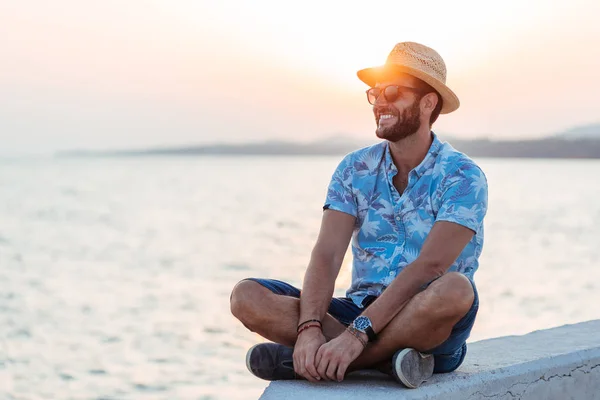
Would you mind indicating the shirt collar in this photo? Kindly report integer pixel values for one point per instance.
(427, 162)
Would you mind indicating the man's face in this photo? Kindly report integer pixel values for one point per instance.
(401, 118)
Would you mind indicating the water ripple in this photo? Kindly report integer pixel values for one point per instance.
(117, 273)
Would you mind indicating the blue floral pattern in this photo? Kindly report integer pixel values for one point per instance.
(391, 227)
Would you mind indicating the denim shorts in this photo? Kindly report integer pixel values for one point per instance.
(448, 355)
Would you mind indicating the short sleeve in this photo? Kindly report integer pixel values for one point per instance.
(464, 199)
(339, 193)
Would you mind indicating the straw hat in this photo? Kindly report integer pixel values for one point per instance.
(419, 61)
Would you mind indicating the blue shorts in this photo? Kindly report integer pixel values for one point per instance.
(448, 355)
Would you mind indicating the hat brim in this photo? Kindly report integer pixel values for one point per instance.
(371, 76)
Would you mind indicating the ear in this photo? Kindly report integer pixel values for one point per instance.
(428, 102)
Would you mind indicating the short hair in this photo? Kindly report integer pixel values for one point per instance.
(425, 88)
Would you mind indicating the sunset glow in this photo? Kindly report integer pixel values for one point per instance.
(140, 73)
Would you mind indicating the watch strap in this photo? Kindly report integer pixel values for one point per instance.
(371, 334)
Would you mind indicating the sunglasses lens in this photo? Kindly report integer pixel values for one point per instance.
(390, 93)
(373, 94)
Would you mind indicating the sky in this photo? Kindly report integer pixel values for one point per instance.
(144, 73)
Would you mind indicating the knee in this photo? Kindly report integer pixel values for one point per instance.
(451, 295)
(244, 297)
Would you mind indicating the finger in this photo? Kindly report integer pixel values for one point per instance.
(318, 359)
(307, 375)
(319, 356)
(300, 369)
(298, 364)
(311, 369)
(322, 368)
(341, 371)
(331, 370)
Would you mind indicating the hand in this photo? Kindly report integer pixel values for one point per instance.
(305, 350)
(333, 358)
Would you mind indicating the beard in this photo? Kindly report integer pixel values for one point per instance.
(407, 124)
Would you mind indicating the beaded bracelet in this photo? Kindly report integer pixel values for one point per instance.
(356, 333)
(305, 327)
(305, 322)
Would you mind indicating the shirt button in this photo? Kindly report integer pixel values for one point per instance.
(398, 218)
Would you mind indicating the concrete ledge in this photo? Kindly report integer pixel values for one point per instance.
(560, 363)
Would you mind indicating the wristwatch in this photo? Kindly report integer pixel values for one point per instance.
(363, 324)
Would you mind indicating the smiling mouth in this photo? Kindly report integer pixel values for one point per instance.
(382, 118)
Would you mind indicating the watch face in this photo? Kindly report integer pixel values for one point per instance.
(361, 323)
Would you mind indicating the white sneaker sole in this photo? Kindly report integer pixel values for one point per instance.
(248, 357)
(398, 367)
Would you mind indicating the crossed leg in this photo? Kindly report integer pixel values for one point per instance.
(424, 323)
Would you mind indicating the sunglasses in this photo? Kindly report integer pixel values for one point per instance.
(390, 93)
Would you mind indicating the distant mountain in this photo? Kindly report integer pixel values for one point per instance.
(581, 132)
(329, 146)
(581, 142)
(542, 148)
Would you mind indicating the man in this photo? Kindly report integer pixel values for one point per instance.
(413, 207)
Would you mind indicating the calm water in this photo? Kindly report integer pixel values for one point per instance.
(115, 274)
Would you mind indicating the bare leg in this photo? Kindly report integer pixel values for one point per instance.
(273, 316)
(424, 323)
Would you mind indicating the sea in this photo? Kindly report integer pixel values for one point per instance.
(115, 273)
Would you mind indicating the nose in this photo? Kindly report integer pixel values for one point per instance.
(380, 100)
(380, 103)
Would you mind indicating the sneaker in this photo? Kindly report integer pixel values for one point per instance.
(271, 361)
(412, 368)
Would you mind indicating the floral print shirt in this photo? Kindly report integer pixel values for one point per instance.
(391, 227)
